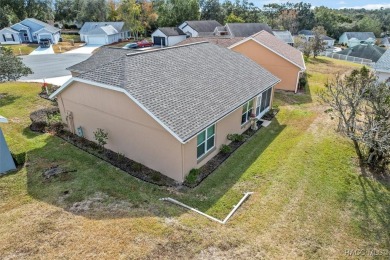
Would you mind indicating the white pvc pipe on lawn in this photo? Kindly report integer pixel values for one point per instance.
(246, 195)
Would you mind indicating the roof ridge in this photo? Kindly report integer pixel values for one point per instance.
(166, 48)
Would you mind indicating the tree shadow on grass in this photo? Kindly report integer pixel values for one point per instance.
(96, 189)
(30, 134)
(6, 99)
(374, 207)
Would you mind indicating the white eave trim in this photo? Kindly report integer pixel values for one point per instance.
(250, 38)
(106, 86)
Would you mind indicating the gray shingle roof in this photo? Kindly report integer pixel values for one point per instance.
(171, 31)
(89, 26)
(247, 29)
(102, 56)
(215, 82)
(205, 26)
(105, 30)
(365, 51)
(305, 32)
(284, 36)
(362, 36)
(384, 62)
(45, 25)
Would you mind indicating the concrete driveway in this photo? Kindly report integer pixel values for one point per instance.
(41, 51)
(86, 49)
(50, 66)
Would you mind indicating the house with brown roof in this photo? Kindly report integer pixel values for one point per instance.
(267, 50)
(156, 116)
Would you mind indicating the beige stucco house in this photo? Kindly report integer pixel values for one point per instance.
(170, 109)
(276, 56)
(267, 50)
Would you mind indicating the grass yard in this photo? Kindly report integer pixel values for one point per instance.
(65, 46)
(22, 49)
(310, 200)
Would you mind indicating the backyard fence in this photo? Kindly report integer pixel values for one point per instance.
(335, 55)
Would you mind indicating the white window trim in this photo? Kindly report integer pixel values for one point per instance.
(247, 109)
(205, 141)
(258, 104)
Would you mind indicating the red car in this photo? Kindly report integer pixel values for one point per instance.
(144, 43)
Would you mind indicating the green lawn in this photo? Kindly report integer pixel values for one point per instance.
(22, 49)
(310, 199)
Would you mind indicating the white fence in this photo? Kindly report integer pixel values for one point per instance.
(335, 55)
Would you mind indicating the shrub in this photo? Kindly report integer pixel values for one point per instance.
(225, 149)
(302, 81)
(136, 166)
(192, 175)
(73, 26)
(156, 177)
(235, 137)
(40, 118)
(101, 137)
(19, 158)
(66, 26)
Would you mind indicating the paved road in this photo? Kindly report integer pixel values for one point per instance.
(51, 65)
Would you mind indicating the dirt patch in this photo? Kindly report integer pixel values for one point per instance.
(56, 171)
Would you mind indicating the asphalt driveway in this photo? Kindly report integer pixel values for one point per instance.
(51, 65)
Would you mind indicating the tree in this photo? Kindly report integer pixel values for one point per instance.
(11, 67)
(234, 19)
(130, 12)
(369, 24)
(211, 10)
(175, 12)
(303, 45)
(363, 109)
(91, 10)
(113, 14)
(318, 45)
(64, 10)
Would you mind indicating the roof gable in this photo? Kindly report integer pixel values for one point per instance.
(279, 47)
(247, 29)
(171, 31)
(205, 26)
(284, 36)
(37, 25)
(217, 81)
(364, 51)
(362, 36)
(384, 62)
(89, 27)
(9, 30)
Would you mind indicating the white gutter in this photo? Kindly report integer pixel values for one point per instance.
(246, 195)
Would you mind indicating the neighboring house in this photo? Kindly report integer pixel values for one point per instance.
(246, 29)
(284, 36)
(158, 116)
(382, 67)
(384, 42)
(168, 36)
(199, 28)
(29, 30)
(276, 56)
(103, 32)
(352, 39)
(364, 51)
(270, 52)
(308, 35)
(6, 162)
(102, 56)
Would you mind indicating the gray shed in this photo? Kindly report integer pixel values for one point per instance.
(6, 161)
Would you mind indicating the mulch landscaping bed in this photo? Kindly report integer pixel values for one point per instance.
(217, 160)
(118, 160)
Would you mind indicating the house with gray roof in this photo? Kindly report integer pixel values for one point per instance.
(103, 55)
(246, 29)
(382, 67)
(28, 31)
(308, 35)
(351, 39)
(285, 36)
(171, 108)
(103, 33)
(364, 51)
(168, 36)
(199, 28)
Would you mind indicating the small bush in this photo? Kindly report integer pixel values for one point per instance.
(235, 137)
(302, 81)
(120, 157)
(156, 177)
(19, 158)
(66, 26)
(225, 149)
(101, 137)
(192, 175)
(136, 166)
(40, 118)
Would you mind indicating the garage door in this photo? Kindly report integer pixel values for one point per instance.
(96, 39)
(44, 36)
(159, 40)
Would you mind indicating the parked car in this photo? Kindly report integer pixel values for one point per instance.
(144, 43)
(44, 43)
(132, 45)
